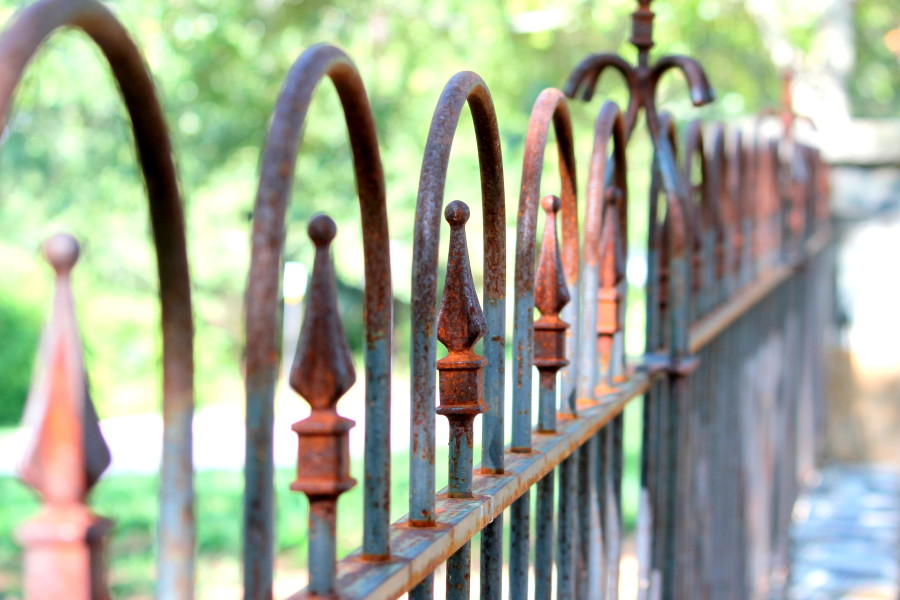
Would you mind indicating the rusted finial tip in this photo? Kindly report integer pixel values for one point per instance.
(322, 230)
(551, 203)
(457, 213)
(61, 251)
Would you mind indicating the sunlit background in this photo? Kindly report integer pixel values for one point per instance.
(68, 164)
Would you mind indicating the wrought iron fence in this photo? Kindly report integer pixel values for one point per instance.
(737, 306)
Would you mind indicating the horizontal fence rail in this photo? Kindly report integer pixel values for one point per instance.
(729, 388)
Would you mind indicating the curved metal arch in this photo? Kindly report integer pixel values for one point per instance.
(800, 167)
(263, 311)
(18, 45)
(720, 166)
(817, 204)
(718, 163)
(699, 88)
(739, 168)
(642, 80)
(668, 240)
(698, 84)
(798, 173)
(463, 88)
(586, 76)
(707, 217)
(766, 204)
(702, 201)
(605, 191)
(666, 181)
(551, 106)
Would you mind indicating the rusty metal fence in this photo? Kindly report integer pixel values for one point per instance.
(737, 304)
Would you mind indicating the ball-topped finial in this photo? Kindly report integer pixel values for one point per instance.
(551, 203)
(457, 213)
(322, 230)
(61, 251)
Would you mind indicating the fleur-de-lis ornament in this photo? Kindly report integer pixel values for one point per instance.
(643, 77)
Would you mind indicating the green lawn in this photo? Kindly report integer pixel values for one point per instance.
(131, 501)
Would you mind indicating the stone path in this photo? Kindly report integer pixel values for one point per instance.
(846, 536)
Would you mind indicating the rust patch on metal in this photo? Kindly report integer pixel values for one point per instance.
(322, 372)
(460, 325)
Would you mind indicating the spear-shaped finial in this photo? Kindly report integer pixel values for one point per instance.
(63, 465)
(460, 324)
(551, 295)
(66, 456)
(322, 372)
(460, 321)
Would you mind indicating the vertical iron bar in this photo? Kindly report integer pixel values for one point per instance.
(492, 560)
(424, 590)
(547, 402)
(605, 485)
(321, 373)
(458, 568)
(613, 531)
(519, 546)
(322, 547)
(543, 560)
(460, 325)
(679, 283)
(550, 339)
(565, 537)
(584, 529)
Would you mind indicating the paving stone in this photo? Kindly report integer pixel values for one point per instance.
(845, 538)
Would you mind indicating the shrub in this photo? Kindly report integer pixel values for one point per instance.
(21, 325)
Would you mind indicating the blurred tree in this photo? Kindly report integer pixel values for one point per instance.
(68, 161)
(875, 89)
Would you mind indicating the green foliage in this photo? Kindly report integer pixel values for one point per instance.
(130, 501)
(68, 160)
(20, 325)
(875, 82)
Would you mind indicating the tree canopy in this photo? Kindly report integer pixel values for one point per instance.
(68, 161)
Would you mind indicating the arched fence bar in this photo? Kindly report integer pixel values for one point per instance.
(19, 43)
(729, 387)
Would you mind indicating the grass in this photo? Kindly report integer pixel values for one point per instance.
(131, 502)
